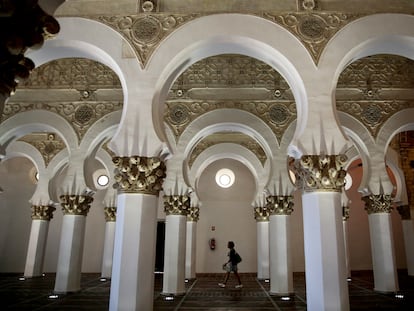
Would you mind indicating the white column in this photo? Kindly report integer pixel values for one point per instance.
(383, 254)
(69, 265)
(408, 231)
(347, 264)
(263, 268)
(108, 251)
(174, 256)
(281, 275)
(36, 248)
(326, 284)
(190, 253)
(132, 282)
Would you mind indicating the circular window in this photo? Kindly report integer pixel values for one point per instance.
(102, 180)
(225, 178)
(348, 181)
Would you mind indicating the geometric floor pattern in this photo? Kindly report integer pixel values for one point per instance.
(201, 294)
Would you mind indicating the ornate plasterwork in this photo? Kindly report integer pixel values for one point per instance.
(261, 213)
(48, 144)
(314, 29)
(193, 214)
(139, 174)
(320, 172)
(110, 213)
(145, 31)
(42, 212)
(73, 204)
(176, 205)
(277, 115)
(404, 211)
(279, 204)
(227, 137)
(378, 203)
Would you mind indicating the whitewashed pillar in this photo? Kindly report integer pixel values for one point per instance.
(176, 208)
(281, 274)
(261, 214)
(345, 217)
(139, 181)
(68, 274)
(408, 234)
(108, 251)
(190, 252)
(321, 178)
(41, 216)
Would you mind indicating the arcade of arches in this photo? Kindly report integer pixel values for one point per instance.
(158, 96)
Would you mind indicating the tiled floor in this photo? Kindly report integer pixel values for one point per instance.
(202, 294)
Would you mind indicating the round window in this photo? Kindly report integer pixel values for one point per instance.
(225, 178)
(103, 180)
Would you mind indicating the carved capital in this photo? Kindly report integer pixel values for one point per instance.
(279, 204)
(404, 211)
(193, 214)
(139, 174)
(42, 212)
(176, 204)
(345, 213)
(261, 213)
(110, 213)
(320, 172)
(75, 204)
(378, 203)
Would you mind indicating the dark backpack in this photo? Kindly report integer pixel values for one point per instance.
(237, 258)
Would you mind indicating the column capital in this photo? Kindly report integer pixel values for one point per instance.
(345, 212)
(75, 204)
(138, 174)
(261, 213)
(42, 212)
(176, 204)
(378, 203)
(404, 211)
(279, 204)
(317, 173)
(110, 213)
(193, 214)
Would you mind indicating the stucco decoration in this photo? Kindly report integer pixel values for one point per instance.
(48, 144)
(313, 29)
(378, 203)
(176, 205)
(279, 204)
(75, 204)
(42, 212)
(261, 213)
(226, 137)
(139, 174)
(145, 31)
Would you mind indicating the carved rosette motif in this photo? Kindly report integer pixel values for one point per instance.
(314, 29)
(193, 214)
(176, 205)
(261, 213)
(139, 174)
(378, 203)
(48, 144)
(145, 31)
(110, 213)
(279, 204)
(42, 212)
(345, 213)
(320, 172)
(75, 204)
(404, 211)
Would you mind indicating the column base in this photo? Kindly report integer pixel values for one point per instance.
(290, 295)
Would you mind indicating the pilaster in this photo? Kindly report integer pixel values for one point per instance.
(108, 251)
(191, 242)
(261, 214)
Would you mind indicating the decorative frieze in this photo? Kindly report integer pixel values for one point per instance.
(279, 204)
(75, 204)
(42, 212)
(139, 174)
(345, 212)
(176, 205)
(404, 211)
(110, 213)
(320, 172)
(261, 213)
(193, 214)
(378, 203)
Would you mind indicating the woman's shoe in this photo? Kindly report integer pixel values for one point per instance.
(221, 284)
